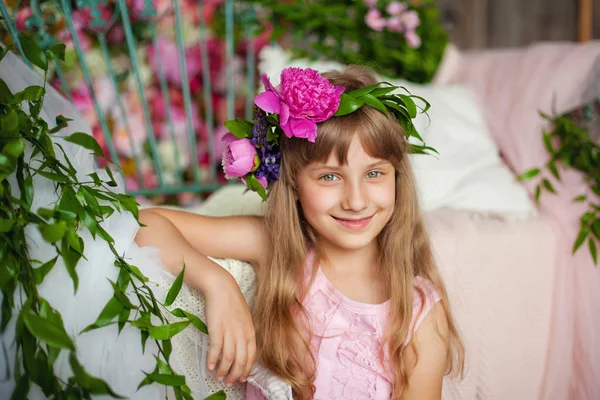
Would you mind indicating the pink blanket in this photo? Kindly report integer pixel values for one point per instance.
(513, 86)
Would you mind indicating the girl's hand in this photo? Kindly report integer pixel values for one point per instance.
(230, 328)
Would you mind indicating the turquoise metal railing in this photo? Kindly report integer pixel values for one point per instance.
(162, 124)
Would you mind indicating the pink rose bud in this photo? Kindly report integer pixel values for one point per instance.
(374, 20)
(261, 179)
(410, 19)
(396, 8)
(412, 39)
(395, 24)
(239, 158)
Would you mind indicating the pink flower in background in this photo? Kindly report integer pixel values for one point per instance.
(138, 9)
(410, 20)
(239, 158)
(137, 130)
(297, 116)
(370, 3)
(412, 39)
(83, 19)
(21, 17)
(396, 8)
(395, 24)
(116, 34)
(374, 20)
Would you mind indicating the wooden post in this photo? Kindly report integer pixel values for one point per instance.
(584, 21)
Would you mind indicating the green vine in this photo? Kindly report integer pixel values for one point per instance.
(569, 143)
(27, 151)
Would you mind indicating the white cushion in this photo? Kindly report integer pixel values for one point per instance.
(469, 173)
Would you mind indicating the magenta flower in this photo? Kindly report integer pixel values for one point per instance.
(374, 20)
(303, 99)
(239, 158)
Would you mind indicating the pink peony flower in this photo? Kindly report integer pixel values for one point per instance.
(396, 8)
(374, 20)
(410, 20)
(303, 99)
(239, 158)
(412, 39)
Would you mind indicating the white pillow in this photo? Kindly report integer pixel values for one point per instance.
(469, 173)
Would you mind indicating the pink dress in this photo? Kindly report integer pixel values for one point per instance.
(347, 338)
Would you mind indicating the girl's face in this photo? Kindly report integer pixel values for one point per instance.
(348, 205)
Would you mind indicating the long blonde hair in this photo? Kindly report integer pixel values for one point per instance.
(280, 319)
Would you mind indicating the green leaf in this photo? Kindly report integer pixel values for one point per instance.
(3, 52)
(364, 90)
(33, 52)
(40, 273)
(548, 143)
(120, 295)
(168, 380)
(538, 192)
(112, 182)
(239, 128)
(54, 232)
(32, 94)
(58, 50)
(580, 198)
(6, 225)
(14, 148)
(6, 96)
(175, 288)
(593, 251)
(108, 313)
(9, 123)
(123, 317)
(94, 385)
(583, 233)
(167, 348)
(220, 395)
(254, 185)
(165, 332)
(46, 331)
(548, 186)
(348, 105)
(374, 102)
(382, 91)
(22, 389)
(54, 177)
(596, 228)
(410, 105)
(61, 122)
(86, 141)
(197, 322)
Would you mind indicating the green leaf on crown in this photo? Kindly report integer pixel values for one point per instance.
(348, 105)
(240, 128)
(254, 185)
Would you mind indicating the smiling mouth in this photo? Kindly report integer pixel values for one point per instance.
(354, 223)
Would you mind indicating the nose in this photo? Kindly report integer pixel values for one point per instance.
(355, 197)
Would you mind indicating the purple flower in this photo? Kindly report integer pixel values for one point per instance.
(239, 158)
(303, 99)
(374, 20)
(267, 152)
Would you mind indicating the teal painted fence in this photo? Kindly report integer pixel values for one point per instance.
(156, 79)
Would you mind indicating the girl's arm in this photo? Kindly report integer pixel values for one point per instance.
(426, 357)
(188, 238)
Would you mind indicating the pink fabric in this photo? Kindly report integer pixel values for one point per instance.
(347, 336)
(513, 86)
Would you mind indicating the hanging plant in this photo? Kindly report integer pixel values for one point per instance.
(569, 143)
(27, 150)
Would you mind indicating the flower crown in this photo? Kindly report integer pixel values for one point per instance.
(303, 99)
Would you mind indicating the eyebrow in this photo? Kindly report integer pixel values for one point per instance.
(337, 167)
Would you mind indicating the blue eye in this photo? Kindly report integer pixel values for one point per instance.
(329, 177)
(373, 174)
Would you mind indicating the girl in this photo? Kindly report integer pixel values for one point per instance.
(350, 303)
